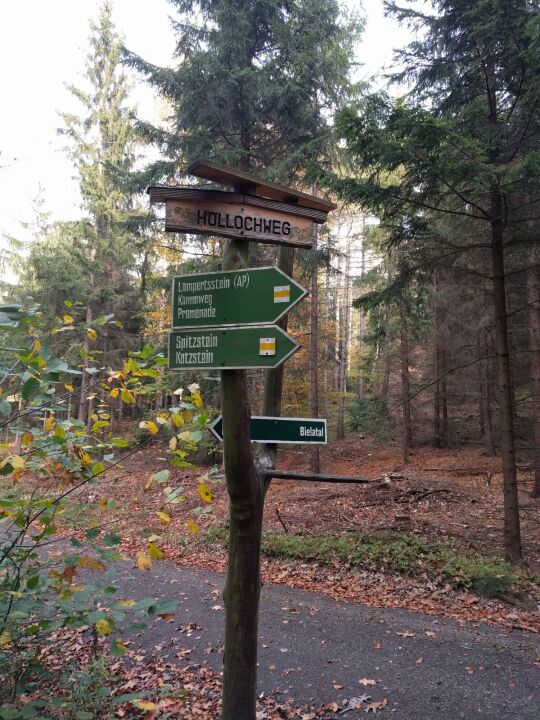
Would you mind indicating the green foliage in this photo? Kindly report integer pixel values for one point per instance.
(255, 83)
(393, 552)
(44, 596)
(485, 576)
(399, 553)
(468, 128)
(89, 691)
(219, 532)
(369, 415)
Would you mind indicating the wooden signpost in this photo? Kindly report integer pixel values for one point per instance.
(214, 330)
(229, 215)
(262, 211)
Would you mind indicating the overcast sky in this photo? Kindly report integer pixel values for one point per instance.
(43, 46)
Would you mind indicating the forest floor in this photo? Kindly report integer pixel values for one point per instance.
(424, 536)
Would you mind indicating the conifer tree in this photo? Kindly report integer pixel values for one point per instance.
(466, 146)
(102, 146)
(97, 259)
(253, 88)
(255, 82)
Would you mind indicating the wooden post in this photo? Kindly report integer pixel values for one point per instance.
(273, 382)
(315, 456)
(245, 489)
(245, 473)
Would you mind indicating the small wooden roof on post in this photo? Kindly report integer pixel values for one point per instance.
(249, 184)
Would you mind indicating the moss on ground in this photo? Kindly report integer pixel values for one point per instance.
(398, 553)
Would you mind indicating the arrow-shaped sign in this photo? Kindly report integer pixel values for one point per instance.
(235, 297)
(280, 430)
(230, 348)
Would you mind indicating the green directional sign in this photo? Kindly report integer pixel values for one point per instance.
(232, 348)
(280, 430)
(235, 297)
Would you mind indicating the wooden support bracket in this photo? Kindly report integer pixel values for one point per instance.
(310, 477)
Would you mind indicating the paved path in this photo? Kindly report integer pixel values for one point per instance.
(427, 668)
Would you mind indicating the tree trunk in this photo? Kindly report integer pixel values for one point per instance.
(386, 352)
(273, 381)
(343, 346)
(315, 457)
(405, 391)
(83, 412)
(481, 391)
(89, 413)
(512, 533)
(443, 397)
(120, 412)
(386, 375)
(486, 396)
(437, 365)
(362, 328)
(533, 293)
(327, 339)
(246, 498)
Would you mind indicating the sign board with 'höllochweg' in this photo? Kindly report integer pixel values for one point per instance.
(233, 348)
(280, 430)
(235, 297)
(229, 219)
(237, 215)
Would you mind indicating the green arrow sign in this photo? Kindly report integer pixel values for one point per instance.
(280, 430)
(235, 348)
(235, 297)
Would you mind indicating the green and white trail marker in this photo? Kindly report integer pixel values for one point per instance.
(236, 297)
(230, 348)
(280, 430)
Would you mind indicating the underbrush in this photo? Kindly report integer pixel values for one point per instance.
(369, 415)
(401, 554)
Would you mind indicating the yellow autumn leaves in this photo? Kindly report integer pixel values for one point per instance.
(177, 419)
(143, 559)
(204, 492)
(11, 463)
(16, 462)
(192, 525)
(127, 396)
(149, 425)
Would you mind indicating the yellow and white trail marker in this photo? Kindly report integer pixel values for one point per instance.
(282, 293)
(267, 346)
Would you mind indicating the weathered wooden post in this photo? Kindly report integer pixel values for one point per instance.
(242, 587)
(215, 328)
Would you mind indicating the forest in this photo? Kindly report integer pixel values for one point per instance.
(419, 337)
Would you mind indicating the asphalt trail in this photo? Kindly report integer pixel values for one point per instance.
(309, 643)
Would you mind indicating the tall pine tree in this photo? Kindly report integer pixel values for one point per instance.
(466, 145)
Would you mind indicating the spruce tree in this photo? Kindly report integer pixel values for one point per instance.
(254, 86)
(103, 146)
(465, 144)
(255, 83)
